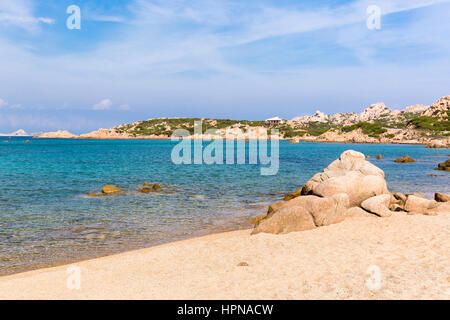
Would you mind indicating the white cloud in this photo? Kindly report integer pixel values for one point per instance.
(19, 13)
(3, 103)
(105, 104)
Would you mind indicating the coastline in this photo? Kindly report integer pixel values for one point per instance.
(281, 139)
(325, 263)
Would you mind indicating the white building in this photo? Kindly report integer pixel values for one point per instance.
(274, 121)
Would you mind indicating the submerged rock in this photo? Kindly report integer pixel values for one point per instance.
(148, 188)
(92, 194)
(404, 159)
(110, 189)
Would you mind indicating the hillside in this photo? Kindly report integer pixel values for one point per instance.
(377, 123)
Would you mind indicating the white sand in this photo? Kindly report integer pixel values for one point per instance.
(412, 252)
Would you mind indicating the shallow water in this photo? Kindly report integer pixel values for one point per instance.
(46, 219)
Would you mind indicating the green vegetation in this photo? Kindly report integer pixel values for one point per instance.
(430, 126)
(371, 129)
(318, 128)
(431, 123)
(167, 126)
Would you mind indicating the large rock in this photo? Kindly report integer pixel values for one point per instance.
(441, 197)
(417, 205)
(357, 212)
(297, 214)
(276, 206)
(378, 205)
(404, 159)
(445, 166)
(286, 220)
(350, 174)
(110, 189)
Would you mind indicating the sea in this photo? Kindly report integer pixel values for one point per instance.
(46, 219)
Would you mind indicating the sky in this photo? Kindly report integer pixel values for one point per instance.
(139, 59)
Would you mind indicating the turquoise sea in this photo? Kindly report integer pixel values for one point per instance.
(46, 219)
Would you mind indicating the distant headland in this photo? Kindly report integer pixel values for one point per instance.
(417, 124)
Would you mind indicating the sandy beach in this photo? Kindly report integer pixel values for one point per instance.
(340, 261)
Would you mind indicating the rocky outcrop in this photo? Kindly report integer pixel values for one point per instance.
(349, 187)
(378, 205)
(438, 109)
(18, 133)
(286, 220)
(110, 189)
(57, 135)
(351, 174)
(444, 166)
(404, 159)
(105, 134)
(415, 205)
(373, 112)
(304, 213)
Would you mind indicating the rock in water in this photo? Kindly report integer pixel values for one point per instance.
(445, 166)
(404, 159)
(351, 174)
(147, 190)
(110, 189)
(146, 184)
(156, 186)
(441, 197)
(379, 157)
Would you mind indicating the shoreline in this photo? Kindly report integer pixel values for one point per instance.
(325, 263)
(284, 139)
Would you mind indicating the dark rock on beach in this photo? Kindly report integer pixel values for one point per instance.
(441, 197)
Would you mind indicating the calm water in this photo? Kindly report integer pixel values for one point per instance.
(45, 219)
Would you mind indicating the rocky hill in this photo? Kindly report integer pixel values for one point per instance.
(377, 123)
(18, 133)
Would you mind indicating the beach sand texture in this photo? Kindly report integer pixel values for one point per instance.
(333, 262)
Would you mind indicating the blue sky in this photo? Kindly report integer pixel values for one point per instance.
(139, 59)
